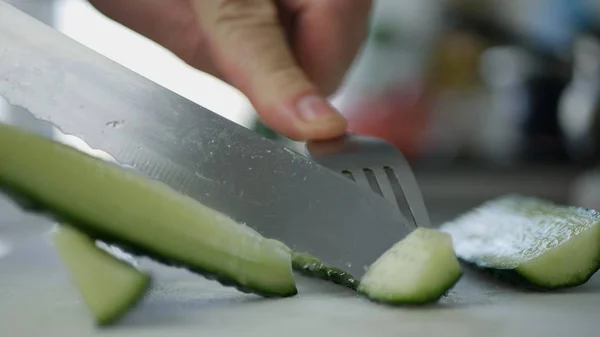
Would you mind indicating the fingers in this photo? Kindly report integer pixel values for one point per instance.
(157, 19)
(171, 24)
(249, 47)
(328, 36)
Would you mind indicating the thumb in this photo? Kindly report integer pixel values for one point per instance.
(249, 47)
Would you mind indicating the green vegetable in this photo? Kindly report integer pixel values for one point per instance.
(529, 242)
(124, 208)
(419, 269)
(109, 286)
(309, 265)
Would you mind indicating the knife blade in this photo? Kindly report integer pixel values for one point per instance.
(280, 193)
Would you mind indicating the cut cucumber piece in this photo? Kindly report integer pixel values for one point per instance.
(109, 286)
(120, 206)
(529, 242)
(311, 266)
(419, 269)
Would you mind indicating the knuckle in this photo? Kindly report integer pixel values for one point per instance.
(246, 23)
(286, 74)
(275, 64)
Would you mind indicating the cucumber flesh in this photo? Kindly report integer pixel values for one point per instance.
(529, 242)
(567, 264)
(419, 269)
(109, 286)
(143, 216)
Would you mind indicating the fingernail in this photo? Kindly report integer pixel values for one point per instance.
(314, 107)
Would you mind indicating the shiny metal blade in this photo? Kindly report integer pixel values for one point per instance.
(256, 181)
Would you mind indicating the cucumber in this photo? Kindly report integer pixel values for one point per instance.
(529, 242)
(419, 269)
(311, 266)
(109, 285)
(121, 207)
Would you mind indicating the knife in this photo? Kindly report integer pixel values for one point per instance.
(282, 194)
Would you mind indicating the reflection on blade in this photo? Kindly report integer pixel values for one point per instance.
(4, 249)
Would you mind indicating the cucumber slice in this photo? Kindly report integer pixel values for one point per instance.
(311, 266)
(419, 269)
(146, 217)
(529, 242)
(109, 286)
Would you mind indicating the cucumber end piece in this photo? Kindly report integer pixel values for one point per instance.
(278, 281)
(109, 286)
(419, 269)
(129, 297)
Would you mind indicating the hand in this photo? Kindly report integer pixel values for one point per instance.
(284, 55)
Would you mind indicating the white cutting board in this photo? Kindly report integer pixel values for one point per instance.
(36, 299)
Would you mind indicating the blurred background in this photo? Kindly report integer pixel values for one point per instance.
(483, 97)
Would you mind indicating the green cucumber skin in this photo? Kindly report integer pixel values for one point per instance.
(310, 266)
(33, 203)
(512, 276)
(516, 279)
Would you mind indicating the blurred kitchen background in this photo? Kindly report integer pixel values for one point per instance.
(483, 97)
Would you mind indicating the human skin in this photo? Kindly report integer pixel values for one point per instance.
(286, 56)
